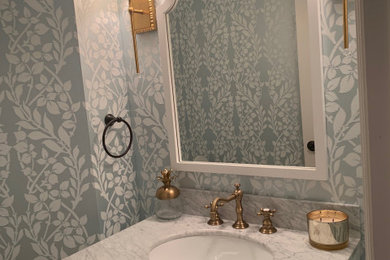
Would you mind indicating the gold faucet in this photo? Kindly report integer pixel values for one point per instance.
(267, 227)
(219, 202)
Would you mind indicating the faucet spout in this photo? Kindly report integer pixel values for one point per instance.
(215, 220)
(218, 202)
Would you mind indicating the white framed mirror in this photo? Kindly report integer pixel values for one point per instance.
(243, 84)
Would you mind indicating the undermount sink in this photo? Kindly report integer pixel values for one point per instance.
(210, 247)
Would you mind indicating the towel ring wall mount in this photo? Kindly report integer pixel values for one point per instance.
(109, 121)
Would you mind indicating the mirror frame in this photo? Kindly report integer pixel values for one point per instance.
(319, 172)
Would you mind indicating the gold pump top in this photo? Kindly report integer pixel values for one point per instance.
(167, 191)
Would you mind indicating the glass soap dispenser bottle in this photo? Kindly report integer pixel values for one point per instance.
(168, 204)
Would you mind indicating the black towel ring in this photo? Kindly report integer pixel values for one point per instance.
(110, 120)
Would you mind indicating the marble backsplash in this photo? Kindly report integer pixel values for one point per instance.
(289, 214)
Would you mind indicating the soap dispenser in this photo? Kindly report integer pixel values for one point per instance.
(168, 204)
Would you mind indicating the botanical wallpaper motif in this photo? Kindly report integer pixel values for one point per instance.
(146, 110)
(11, 233)
(237, 81)
(44, 183)
(56, 196)
(106, 91)
(125, 186)
(343, 129)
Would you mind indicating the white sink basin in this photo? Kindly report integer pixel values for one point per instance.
(210, 247)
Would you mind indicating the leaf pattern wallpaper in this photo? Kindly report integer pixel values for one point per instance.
(343, 128)
(45, 191)
(59, 192)
(106, 92)
(237, 81)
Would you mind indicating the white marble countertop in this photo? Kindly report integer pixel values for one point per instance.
(137, 241)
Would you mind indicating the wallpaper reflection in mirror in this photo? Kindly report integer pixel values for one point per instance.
(237, 81)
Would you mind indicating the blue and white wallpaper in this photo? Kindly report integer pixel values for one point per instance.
(58, 191)
(237, 81)
(105, 86)
(343, 129)
(47, 204)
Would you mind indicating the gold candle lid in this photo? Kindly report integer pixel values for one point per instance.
(327, 216)
(328, 229)
(167, 191)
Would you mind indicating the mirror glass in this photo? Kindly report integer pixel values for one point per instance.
(242, 92)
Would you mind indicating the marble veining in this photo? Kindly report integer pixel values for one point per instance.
(138, 240)
(290, 213)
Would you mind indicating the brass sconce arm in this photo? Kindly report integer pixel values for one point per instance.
(143, 19)
(137, 11)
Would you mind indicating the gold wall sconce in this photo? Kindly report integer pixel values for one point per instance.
(345, 13)
(143, 19)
